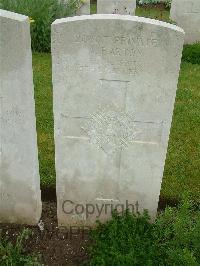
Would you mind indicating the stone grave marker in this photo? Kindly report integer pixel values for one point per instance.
(20, 196)
(186, 13)
(123, 7)
(114, 83)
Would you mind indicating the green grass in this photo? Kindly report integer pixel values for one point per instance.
(44, 114)
(191, 53)
(43, 13)
(14, 254)
(154, 13)
(183, 158)
(93, 9)
(173, 239)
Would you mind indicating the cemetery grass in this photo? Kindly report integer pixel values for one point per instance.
(182, 164)
(93, 8)
(44, 115)
(182, 169)
(154, 13)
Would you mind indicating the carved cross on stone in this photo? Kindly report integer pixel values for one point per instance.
(111, 128)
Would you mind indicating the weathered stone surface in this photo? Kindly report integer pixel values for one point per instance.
(186, 13)
(84, 9)
(123, 7)
(115, 80)
(20, 197)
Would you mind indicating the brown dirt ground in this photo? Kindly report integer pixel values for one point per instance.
(57, 246)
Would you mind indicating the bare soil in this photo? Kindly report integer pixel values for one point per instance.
(58, 246)
(55, 246)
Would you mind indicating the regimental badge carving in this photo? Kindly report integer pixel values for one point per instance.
(110, 129)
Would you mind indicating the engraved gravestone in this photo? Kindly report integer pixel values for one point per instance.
(186, 13)
(20, 199)
(114, 83)
(123, 7)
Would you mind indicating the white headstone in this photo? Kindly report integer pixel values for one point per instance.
(186, 13)
(20, 197)
(114, 83)
(84, 8)
(123, 7)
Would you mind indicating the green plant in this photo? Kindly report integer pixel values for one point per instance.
(124, 240)
(168, 3)
(174, 238)
(154, 13)
(93, 8)
(42, 13)
(146, 2)
(177, 234)
(44, 112)
(191, 53)
(14, 254)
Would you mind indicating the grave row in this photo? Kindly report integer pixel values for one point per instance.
(114, 86)
(185, 13)
(123, 7)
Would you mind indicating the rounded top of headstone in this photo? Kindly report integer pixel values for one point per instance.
(119, 17)
(12, 15)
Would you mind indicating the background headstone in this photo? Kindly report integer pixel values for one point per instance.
(114, 83)
(20, 197)
(84, 9)
(123, 7)
(186, 13)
